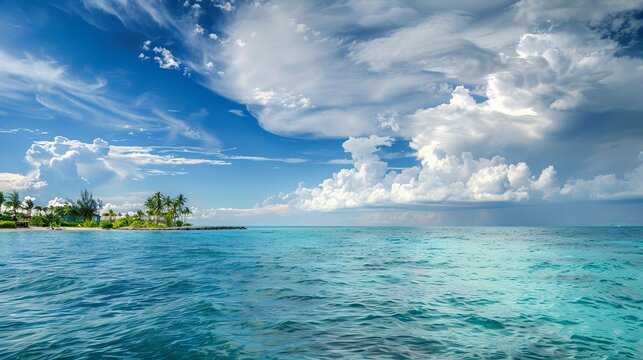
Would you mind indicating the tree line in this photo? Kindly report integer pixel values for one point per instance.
(159, 211)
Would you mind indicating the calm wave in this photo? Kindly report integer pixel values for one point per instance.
(323, 292)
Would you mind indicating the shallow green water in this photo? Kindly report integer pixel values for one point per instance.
(323, 292)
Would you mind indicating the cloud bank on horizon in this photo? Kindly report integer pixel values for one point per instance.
(500, 101)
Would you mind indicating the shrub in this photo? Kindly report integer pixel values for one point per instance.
(119, 223)
(39, 221)
(7, 224)
(137, 224)
(106, 224)
(89, 224)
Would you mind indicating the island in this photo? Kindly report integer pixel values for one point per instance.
(161, 212)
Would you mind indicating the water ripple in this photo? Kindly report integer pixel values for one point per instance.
(401, 293)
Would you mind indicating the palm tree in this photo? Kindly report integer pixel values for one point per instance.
(69, 210)
(110, 215)
(1, 200)
(181, 209)
(14, 203)
(179, 205)
(154, 205)
(185, 212)
(39, 209)
(160, 207)
(28, 205)
(174, 207)
(140, 215)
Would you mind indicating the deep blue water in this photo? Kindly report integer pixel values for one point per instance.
(323, 292)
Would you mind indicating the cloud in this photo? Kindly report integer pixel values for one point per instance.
(64, 165)
(447, 179)
(177, 127)
(283, 98)
(225, 6)
(42, 88)
(18, 130)
(340, 161)
(198, 30)
(439, 179)
(131, 13)
(11, 181)
(325, 80)
(24, 200)
(224, 154)
(323, 83)
(461, 83)
(562, 71)
(166, 60)
(449, 52)
(462, 124)
(237, 112)
(290, 160)
(608, 187)
(580, 10)
(58, 202)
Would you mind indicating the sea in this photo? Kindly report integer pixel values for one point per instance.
(323, 292)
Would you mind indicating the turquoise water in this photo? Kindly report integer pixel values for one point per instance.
(323, 292)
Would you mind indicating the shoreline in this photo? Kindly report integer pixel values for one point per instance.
(192, 228)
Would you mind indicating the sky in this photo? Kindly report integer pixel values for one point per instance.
(353, 112)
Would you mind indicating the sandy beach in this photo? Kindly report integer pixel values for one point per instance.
(126, 229)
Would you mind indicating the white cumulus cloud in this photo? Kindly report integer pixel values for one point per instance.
(443, 178)
(166, 59)
(62, 165)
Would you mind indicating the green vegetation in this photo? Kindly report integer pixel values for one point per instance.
(13, 202)
(82, 213)
(165, 210)
(161, 211)
(7, 224)
(28, 206)
(87, 207)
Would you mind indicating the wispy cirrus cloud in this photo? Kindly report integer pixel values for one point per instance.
(237, 112)
(23, 130)
(43, 88)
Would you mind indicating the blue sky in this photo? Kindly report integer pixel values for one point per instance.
(347, 112)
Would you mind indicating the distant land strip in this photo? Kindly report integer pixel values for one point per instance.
(191, 228)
